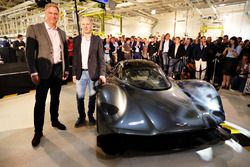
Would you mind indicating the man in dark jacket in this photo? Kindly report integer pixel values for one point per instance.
(200, 53)
(47, 58)
(176, 52)
(88, 66)
(19, 46)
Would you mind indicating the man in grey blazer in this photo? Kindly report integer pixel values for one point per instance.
(88, 66)
(47, 57)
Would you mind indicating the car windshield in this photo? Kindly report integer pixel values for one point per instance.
(146, 78)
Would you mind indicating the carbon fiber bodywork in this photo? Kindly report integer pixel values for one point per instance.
(129, 108)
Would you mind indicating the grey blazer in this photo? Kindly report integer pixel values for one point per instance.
(39, 51)
(96, 63)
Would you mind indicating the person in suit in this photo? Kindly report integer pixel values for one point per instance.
(6, 43)
(153, 48)
(120, 53)
(211, 52)
(176, 52)
(165, 45)
(200, 54)
(19, 46)
(189, 55)
(126, 49)
(137, 48)
(47, 58)
(108, 48)
(88, 67)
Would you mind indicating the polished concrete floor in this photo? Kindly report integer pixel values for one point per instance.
(77, 147)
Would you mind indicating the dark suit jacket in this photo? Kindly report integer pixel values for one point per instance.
(199, 53)
(170, 43)
(96, 64)
(153, 48)
(16, 45)
(111, 46)
(189, 51)
(180, 51)
(140, 47)
(39, 51)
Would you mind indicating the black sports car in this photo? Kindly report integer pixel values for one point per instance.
(140, 101)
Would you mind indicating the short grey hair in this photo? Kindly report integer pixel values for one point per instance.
(51, 5)
(85, 17)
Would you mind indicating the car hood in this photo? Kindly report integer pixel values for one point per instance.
(154, 112)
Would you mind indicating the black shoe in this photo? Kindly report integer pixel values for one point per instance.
(80, 122)
(248, 105)
(36, 139)
(59, 125)
(92, 121)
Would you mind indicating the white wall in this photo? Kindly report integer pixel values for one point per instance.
(166, 24)
(235, 23)
(112, 29)
(137, 29)
(130, 27)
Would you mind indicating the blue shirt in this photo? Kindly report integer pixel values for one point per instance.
(237, 49)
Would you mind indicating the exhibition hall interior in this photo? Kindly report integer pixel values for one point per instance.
(118, 83)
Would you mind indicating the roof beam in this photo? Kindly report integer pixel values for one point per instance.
(212, 6)
(193, 6)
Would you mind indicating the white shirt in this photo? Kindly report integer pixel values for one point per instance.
(137, 47)
(166, 46)
(116, 46)
(56, 43)
(106, 46)
(175, 50)
(186, 46)
(85, 52)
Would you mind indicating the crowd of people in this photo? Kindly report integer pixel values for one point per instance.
(223, 61)
(18, 47)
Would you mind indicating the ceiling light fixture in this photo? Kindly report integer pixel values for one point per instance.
(153, 12)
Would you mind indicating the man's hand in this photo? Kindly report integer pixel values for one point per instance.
(74, 79)
(102, 80)
(65, 76)
(35, 79)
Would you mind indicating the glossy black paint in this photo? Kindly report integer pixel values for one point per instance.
(182, 106)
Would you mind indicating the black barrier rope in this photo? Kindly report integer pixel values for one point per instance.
(208, 65)
(200, 70)
(175, 63)
(185, 65)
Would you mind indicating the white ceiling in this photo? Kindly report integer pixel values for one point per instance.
(141, 8)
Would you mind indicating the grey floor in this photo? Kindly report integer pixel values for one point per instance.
(77, 147)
